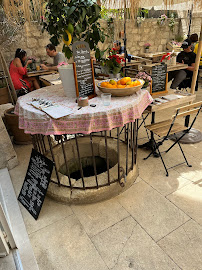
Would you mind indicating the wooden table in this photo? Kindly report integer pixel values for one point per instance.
(153, 108)
(152, 56)
(172, 103)
(178, 66)
(134, 64)
(40, 72)
(52, 79)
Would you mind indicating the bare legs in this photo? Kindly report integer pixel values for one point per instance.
(34, 83)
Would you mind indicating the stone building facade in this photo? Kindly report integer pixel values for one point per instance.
(31, 38)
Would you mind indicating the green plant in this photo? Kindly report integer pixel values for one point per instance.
(113, 63)
(73, 21)
(162, 20)
(111, 13)
(110, 24)
(140, 20)
(179, 38)
(142, 12)
(172, 22)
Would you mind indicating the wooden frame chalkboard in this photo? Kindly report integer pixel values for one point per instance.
(83, 70)
(36, 183)
(159, 79)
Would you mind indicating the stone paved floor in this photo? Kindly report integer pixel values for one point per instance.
(154, 225)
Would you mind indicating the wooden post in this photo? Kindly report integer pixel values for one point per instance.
(75, 78)
(9, 82)
(198, 56)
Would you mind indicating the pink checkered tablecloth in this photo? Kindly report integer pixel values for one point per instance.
(88, 119)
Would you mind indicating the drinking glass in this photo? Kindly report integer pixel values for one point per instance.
(106, 99)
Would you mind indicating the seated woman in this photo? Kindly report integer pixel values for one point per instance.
(18, 70)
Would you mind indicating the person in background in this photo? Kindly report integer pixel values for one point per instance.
(195, 51)
(58, 58)
(18, 71)
(187, 56)
(118, 47)
(194, 40)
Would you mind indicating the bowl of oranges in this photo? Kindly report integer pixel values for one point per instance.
(119, 88)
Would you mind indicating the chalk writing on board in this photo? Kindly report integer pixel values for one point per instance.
(36, 183)
(81, 54)
(159, 78)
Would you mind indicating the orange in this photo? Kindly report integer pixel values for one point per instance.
(135, 83)
(113, 82)
(103, 84)
(128, 83)
(110, 86)
(123, 81)
(120, 86)
(128, 79)
(119, 82)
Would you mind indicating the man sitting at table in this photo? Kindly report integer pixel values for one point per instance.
(120, 50)
(118, 47)
(58, 58)
(187, 56)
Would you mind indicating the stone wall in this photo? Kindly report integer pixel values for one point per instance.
(34, 41)
(8, 157)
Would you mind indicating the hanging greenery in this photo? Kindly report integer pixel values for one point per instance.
(77, 20)
(110, 30)
(172, 22)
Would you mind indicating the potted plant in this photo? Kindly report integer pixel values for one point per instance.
(113, 63)
(162, 20)
(173, 58)
(147, 45)
(74, 20)
(144, 76)
(140, 20)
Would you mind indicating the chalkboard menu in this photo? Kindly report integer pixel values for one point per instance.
(84, 72)
(159, 78)
(36, 183)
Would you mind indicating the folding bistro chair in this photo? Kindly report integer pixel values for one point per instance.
(166, 128)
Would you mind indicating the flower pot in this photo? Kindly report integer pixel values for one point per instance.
(146, 50)
(112, 75)
(12, 122)
(68, 81)
(173, 60)
(4, 95)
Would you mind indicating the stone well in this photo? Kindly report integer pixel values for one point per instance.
(91, 168)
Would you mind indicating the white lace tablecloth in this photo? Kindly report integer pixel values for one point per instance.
(88, 119)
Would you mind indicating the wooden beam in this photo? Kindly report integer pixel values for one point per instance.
(197, 62)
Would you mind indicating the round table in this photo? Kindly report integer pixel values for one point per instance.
(109, 132)
(121, 111)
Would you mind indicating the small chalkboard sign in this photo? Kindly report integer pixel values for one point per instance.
(159, 79)
(83, 70)
(36, 183)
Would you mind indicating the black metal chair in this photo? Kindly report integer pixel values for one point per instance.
(186, 83)
(24, 89)
(166, 128)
